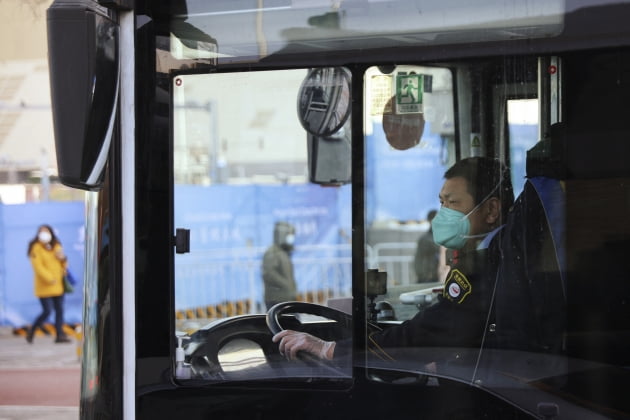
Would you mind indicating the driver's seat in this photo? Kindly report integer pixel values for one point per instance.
(531, 293)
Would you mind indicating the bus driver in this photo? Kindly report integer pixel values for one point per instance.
(475, 198)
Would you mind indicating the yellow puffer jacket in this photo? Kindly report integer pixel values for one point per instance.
(48, 270)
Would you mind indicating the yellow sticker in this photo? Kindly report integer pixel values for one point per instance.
(457, 286)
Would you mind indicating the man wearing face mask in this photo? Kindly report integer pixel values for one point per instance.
(277, 268)
(475, 198)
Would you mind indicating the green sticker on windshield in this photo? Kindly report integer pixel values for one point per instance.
(409, 93)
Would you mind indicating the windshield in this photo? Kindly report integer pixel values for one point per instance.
(260, 232)
(459, 212)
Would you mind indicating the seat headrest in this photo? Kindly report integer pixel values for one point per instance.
(548, 157)
(567, 153)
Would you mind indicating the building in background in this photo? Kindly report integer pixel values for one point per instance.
(28, 166)
(30, 193)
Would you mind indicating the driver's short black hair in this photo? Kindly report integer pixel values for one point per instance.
(483, 174)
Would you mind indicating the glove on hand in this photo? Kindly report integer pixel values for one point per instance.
(291, 342)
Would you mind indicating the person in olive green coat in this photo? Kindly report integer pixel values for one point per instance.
(277, 268)
(49, 268)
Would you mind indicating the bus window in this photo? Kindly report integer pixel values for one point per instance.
(523, 135)
(417, 132)
(241, 187)
(409, 125)
(409, 136)
(409, 139)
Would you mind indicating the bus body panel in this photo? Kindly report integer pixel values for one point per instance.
(574, 64)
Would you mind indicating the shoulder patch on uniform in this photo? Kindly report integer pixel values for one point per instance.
(456, 287)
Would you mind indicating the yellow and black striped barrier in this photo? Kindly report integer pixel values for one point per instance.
(241, 307)
(315, 296)
(71, 330)
(220, 310)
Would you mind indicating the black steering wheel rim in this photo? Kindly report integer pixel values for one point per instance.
(274, 313)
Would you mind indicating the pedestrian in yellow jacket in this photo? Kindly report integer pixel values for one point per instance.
(49, 267)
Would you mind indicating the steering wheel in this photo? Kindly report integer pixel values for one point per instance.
(276, 311)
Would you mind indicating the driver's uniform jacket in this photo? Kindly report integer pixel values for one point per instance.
(460, 315)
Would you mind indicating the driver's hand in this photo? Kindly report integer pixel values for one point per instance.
(291, 342)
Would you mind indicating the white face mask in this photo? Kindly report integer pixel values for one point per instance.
(44, 236)
(290, 239)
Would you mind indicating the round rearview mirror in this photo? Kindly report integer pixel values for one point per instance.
(324, 100)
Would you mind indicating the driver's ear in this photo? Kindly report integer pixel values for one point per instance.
(492, 211)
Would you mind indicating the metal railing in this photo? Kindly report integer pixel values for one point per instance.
(229, 281)
(396, 258)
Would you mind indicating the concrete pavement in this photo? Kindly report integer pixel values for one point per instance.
(39, 381)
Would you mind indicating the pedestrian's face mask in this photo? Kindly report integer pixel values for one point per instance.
(44, 236)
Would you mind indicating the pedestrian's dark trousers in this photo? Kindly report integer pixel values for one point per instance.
(47, 305)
